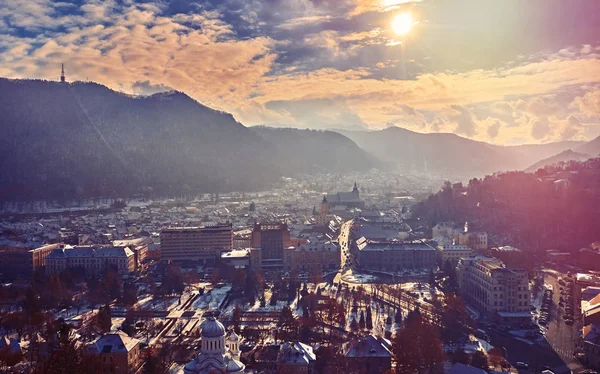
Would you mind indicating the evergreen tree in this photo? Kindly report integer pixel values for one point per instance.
(369, 321)
(361, 321)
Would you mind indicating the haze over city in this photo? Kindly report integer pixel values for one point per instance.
(300, 187)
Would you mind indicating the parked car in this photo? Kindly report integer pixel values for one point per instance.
(522, 365)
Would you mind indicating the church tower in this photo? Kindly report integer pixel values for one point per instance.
(62, 74)
(355, 190)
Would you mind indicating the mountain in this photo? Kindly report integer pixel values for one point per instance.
(591, 148)
(84, 140)
(564, 156)
(316, 150)
(449, 155)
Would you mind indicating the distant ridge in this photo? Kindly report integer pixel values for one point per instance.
(564, 156)
(447, 154)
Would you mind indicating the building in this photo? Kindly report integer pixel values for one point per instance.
(383, 231)
(271, 239)
(242, 239)
(492, 288)
(138, 246)
(92, 259)
(17, 261)
(319, 256)
(460, 234)
(345, 199)
(591, 345)
(477, 240)
(117, 353)
(394, 256)
(295, 358)
(452, 253)
(201, 245)
(220, 352)
(238, 258)
(369, 354)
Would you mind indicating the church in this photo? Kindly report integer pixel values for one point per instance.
(346, 199)
(220, 351)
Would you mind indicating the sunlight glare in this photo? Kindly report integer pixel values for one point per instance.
(402, 24)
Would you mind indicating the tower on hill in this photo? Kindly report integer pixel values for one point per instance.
(62, 74)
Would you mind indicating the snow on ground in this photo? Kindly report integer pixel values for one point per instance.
(211, 299)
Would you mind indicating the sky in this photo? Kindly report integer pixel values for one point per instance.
(501, 71)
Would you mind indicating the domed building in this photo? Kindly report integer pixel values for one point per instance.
(219, 352)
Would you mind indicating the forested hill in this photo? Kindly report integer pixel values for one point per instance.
(316, 150)
(554, 208)
(84, 140)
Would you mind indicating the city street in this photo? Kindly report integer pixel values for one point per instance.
(556, 351)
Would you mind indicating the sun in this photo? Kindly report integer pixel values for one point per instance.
(402, 24)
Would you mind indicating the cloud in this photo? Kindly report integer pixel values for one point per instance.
(493, 129)
(540, 129)
(589, 103)
(465, 124)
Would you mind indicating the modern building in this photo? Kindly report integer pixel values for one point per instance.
(394, 256)
(318, 256)
(369, 354)
(452, 253)
(296, 358)
(92, 259)
(492, 288)
(346, 199)
(220, 352)
(201, 245)
(17, 261)
(117, 353)
(271, 239)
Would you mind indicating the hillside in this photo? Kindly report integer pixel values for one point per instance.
(449, 155)
(83, 140)
(564, 156)
(553, 208)
(315, 150)
(591, 148)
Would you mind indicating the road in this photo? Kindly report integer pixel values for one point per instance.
(556, 351)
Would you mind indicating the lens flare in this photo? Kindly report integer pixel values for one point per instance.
(402, 24)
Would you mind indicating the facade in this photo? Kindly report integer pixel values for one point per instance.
(295, 358)
(453, 253)
(195, 244)
(23, 261)
(345, 199)
(591, 345)
(93, 259)
(476, 239)
(138, 246)
(369, 354)
(492, 288)
(312, 257)
(271, 239)
(117, 353)
(393, 256)
(220, 352)
(460, 234)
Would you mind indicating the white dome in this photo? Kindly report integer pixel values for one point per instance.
(211, 328)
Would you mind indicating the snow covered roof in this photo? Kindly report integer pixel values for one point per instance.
(369, 346)
(115, 343)
(296, 353)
